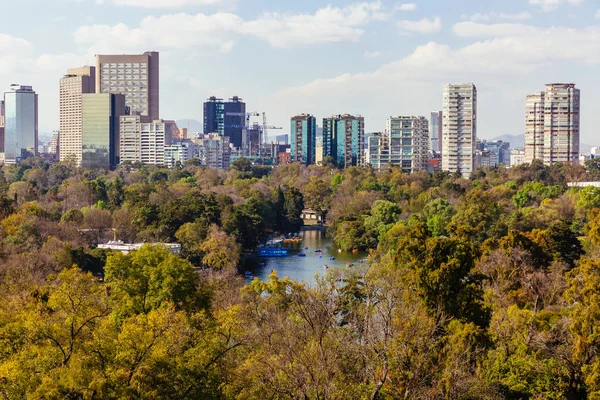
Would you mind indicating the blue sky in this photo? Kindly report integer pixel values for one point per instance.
(375, 58)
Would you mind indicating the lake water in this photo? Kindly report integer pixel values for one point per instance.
(303, 269)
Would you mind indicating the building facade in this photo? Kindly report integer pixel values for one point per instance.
(55, 144)
(180, 152)
(21, 123)
(552, 124)
(303, 139)
(1, 126)
(459, 128)
(213, 150)
(100, 129)
(404, 144)
(343, 139)
(517, 157)
(136, 77)
(143, 142)
(435, 131)
(73, 85)
(227, 118)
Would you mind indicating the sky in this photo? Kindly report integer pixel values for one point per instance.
(373, 58)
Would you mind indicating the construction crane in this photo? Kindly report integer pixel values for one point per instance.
(264, 128)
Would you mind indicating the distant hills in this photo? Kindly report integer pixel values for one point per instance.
(518, 142)
(192, 125)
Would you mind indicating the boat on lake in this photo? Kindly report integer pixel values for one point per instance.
(273, 252)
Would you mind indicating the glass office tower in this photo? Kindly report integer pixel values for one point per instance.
(100, 129)
(21, 123)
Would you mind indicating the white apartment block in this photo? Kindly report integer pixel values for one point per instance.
(404, 144)
(142, 142)
(517, 157)
(552, 124)
(180, 153)
(459, 130)
(54, 143)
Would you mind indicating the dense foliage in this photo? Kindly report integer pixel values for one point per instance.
(481, 288)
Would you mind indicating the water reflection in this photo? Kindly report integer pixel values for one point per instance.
(302, 269)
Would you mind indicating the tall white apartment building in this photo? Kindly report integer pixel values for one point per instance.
(73, 85)
(143, 142)
(459, 130)
(552, 124)
(404, 144)
(55, 144)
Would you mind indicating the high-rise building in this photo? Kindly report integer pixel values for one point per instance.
(1, 126)
(73, 85)
(143, 142)
(435, 131)
(21, 123)
(100, 114)
(55, 144)
(136, 77)
(404, 144)
(459, 128)
(303, 139)
(343, 139)
(227, 118)
(552, 124)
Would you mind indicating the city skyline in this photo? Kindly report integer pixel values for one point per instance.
(369, 54)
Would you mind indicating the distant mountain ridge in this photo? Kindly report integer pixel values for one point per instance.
(192, 125)
(518, 142)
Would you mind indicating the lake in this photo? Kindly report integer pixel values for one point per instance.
(302, 269)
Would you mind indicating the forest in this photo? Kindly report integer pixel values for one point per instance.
(480, 288)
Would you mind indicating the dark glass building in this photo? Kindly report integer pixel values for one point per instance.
(101, 113)
(227, 118)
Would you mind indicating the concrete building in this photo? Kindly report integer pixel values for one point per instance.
(404, 144)
(180, 152)
(73, 85)
(55, 144)
(319, 150)
(343, 139)
(100, 129)
(143, 142)
(435, 131)
(595, 153)
(21, 123)
(227, 118)
(534, 126)
(492, 153)
(552, 124)
(136, 77)
(1, 126)
(213, 150)
(459, 128)
(517, 157)
(303, 139)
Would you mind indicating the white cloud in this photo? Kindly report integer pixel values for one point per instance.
(522, 16)
(327, 25)
(169, 3)
(372, 54)
(424, 25)
(597, 14)
(506, 61)
(479, 17)
(550, 5)
(219, 31)
(406, 6)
